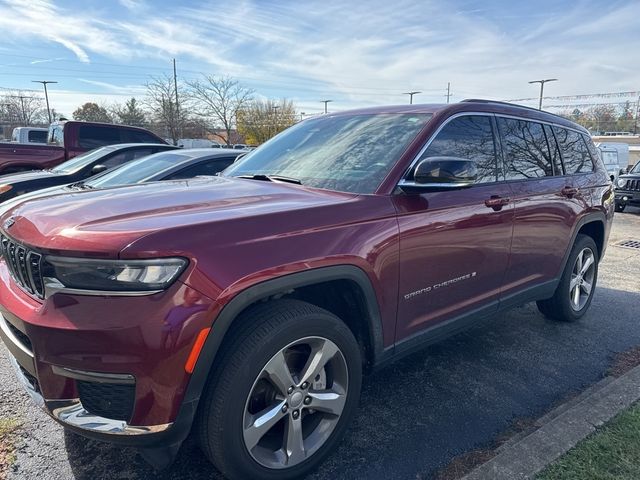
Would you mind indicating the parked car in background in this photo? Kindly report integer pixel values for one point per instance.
(615, 157)
(29, 135)
(67, 139)
(197, 143)
(78, 168)
(247, 305)
(174, 165)
(628, 189)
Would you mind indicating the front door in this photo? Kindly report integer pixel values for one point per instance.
(454, 245)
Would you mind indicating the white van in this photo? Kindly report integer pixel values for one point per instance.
(29, 135)
(615, 157)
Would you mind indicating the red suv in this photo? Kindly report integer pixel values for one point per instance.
(247, 306)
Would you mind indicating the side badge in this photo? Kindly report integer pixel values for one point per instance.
(9, 222)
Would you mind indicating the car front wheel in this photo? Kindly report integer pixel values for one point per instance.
(283, 393)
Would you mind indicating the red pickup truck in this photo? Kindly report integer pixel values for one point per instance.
(65, 140)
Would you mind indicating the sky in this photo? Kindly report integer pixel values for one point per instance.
(354, 53)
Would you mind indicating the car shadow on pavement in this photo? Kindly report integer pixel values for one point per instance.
(419, 413)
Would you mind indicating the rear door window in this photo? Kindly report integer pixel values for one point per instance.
(469, 137)
(525, 148)
(92, 136)
(575, 154)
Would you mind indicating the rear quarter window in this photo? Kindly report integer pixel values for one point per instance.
(575, 154)
(138, 136)
(37, 136)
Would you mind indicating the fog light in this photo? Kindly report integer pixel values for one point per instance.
(624, 199)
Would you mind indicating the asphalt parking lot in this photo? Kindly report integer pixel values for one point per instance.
(416, 415)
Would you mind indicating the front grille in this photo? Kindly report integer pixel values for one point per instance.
(632, 185)
(109, 400)
(24, 340)
(24, 264)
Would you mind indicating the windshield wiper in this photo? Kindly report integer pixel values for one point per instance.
(81, 186)
(271, 178)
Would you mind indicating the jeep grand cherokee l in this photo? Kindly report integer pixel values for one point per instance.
(247, 306)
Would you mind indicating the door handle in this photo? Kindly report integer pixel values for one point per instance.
(569, 192)
(496, 202)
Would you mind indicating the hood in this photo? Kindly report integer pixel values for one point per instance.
(103, 222)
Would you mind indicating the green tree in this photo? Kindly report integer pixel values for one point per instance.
(131, 113)
(262, 119)
(92, 112)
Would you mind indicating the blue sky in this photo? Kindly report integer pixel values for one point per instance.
(355, 53)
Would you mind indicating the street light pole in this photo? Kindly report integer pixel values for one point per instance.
(411, 94)
(325, 104)
(46, 95)
(542, 82)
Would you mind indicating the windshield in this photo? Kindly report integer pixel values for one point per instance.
(81, 161)
(636, 168)
(138, 170)
(348, 153)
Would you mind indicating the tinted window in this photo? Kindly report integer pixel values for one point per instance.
(81, 161)
(349, 153)
(138, 170)
(526, 153)
(575, 154)
(471, 138)
(93, 137)
(208, 167)
(139, 136)
(38, 136)
(554, 149)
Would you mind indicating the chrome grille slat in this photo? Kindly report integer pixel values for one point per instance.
(24, 265)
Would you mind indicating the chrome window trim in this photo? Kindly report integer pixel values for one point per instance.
(403, 182)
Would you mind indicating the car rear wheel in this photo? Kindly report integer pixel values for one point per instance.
(283, 392)
(574, 293)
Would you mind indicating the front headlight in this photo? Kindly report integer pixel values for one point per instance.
(125, 276)
(621, 182)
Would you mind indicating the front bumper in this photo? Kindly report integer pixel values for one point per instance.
(623, 197)
(67, 341)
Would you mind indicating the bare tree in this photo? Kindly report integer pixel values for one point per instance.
(220, 99)
(161, 102)
(23, 108)
(262, 119)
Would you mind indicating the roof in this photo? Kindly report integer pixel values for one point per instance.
(470, 105)
(138, 145)
(213, 152)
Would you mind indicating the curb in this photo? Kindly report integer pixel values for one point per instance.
(523, 457)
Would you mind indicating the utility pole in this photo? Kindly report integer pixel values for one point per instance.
(175, 86)
(448, 95)
(46, 95)
(325, 104)
(411, 94)
(542, 82)
(24, 112)
(302, 114)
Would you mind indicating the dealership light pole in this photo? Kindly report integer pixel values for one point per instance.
(325, 104)
(411, 94)
(46, 95)
(542, 82)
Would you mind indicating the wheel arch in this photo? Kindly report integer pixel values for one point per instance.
(305, 280)
(594, 225)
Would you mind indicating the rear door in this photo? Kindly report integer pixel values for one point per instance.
(454, 245)
(544, 211)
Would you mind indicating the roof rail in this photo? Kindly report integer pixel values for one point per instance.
(498, 102)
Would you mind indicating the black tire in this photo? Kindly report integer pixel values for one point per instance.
(620, 207)
(559, 306)
(263, 331)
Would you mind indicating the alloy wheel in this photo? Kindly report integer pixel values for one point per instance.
(582, 279)
(295, 403)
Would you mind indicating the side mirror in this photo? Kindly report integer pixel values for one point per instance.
(441, 173)
(98, 169)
